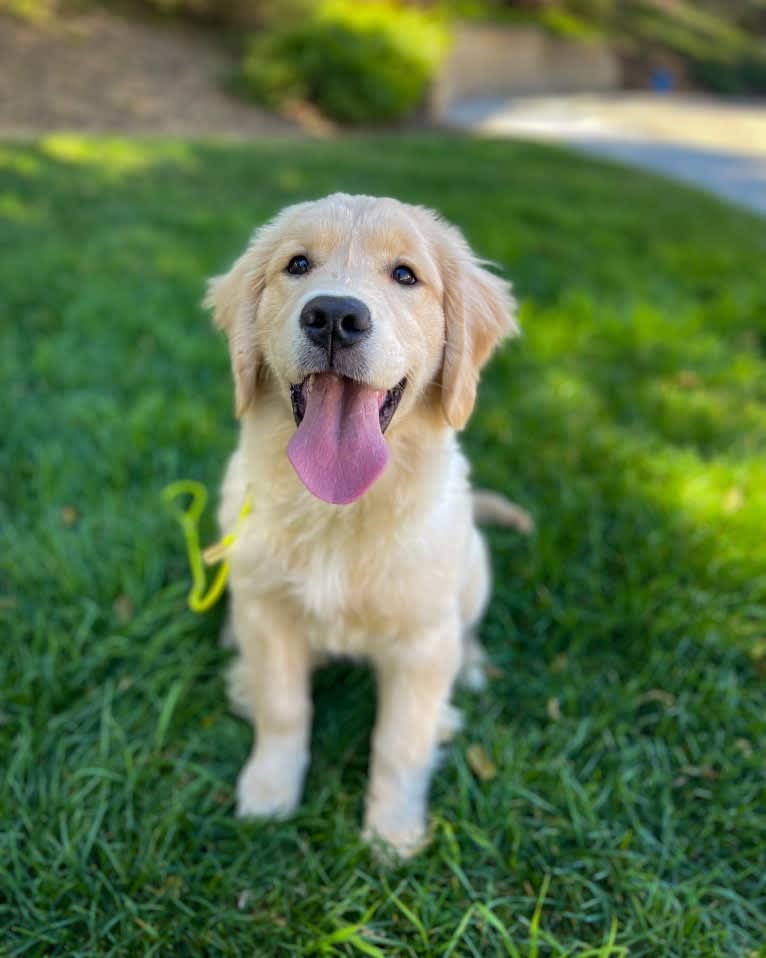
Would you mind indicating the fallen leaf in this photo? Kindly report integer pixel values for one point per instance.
(560, 662)
(123, 609)
(687, 379)
(659, 695)
(705, 771)
(480, 763)
(69, 516)
(544, 596)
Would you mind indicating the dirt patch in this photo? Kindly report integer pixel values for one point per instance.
(104, 73)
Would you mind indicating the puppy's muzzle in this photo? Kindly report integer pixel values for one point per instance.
(335, 322)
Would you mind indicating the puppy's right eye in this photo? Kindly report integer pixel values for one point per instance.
(298, 265)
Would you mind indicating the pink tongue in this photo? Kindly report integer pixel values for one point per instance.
(338, 450)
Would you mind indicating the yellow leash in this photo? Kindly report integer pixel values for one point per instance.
(200, 600)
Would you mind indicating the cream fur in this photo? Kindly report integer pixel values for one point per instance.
(400, 577)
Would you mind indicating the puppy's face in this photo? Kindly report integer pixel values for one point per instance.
(353, 309)
(352, 289)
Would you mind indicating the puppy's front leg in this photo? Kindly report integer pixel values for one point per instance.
(276, 674)
(414, 682)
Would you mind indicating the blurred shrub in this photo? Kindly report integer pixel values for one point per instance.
(228, 12)
(372, 59)
(719, 54)
(357, 62)
(565, 23)
(722, 42)
(733, 75)
(34, 10)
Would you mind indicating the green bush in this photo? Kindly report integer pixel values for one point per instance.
(36, 11)
(362, 63)
(740, 75)
(722, 42)
(224, 12)
(720, 55)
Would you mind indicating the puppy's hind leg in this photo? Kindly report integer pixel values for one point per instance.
(473, 669)
(473, 601)
(227, 638)
(239, 683)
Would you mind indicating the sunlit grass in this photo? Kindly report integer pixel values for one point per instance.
(626, 716)
(115, 156)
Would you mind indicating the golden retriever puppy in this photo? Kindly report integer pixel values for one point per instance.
(357, 328)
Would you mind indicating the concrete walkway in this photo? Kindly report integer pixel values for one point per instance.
(715, 145)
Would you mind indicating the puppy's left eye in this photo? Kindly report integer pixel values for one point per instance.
(403, 275)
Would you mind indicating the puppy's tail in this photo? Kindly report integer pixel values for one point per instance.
(491, 507)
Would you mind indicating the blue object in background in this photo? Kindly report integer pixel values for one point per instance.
(661, 81)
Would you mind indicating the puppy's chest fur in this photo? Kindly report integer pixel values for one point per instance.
(376, 571)
(346, 587)
(333, 592)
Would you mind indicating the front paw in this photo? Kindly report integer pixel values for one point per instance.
(394, 838)
(270, 787)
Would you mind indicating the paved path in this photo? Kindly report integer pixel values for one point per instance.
(718, 146)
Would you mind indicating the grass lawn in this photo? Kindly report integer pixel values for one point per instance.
(627, 715)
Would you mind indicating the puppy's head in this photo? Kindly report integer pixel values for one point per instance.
(356, 312)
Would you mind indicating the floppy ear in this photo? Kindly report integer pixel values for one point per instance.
(234, 301)
(479, 312)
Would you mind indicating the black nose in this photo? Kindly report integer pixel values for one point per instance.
(334, 322)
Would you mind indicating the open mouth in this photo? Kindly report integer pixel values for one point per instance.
(338, 449)
(388, 401)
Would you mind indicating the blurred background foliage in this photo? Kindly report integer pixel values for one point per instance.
(373, 60)
(357, 62)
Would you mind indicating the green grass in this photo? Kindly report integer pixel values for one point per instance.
(627, 717)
